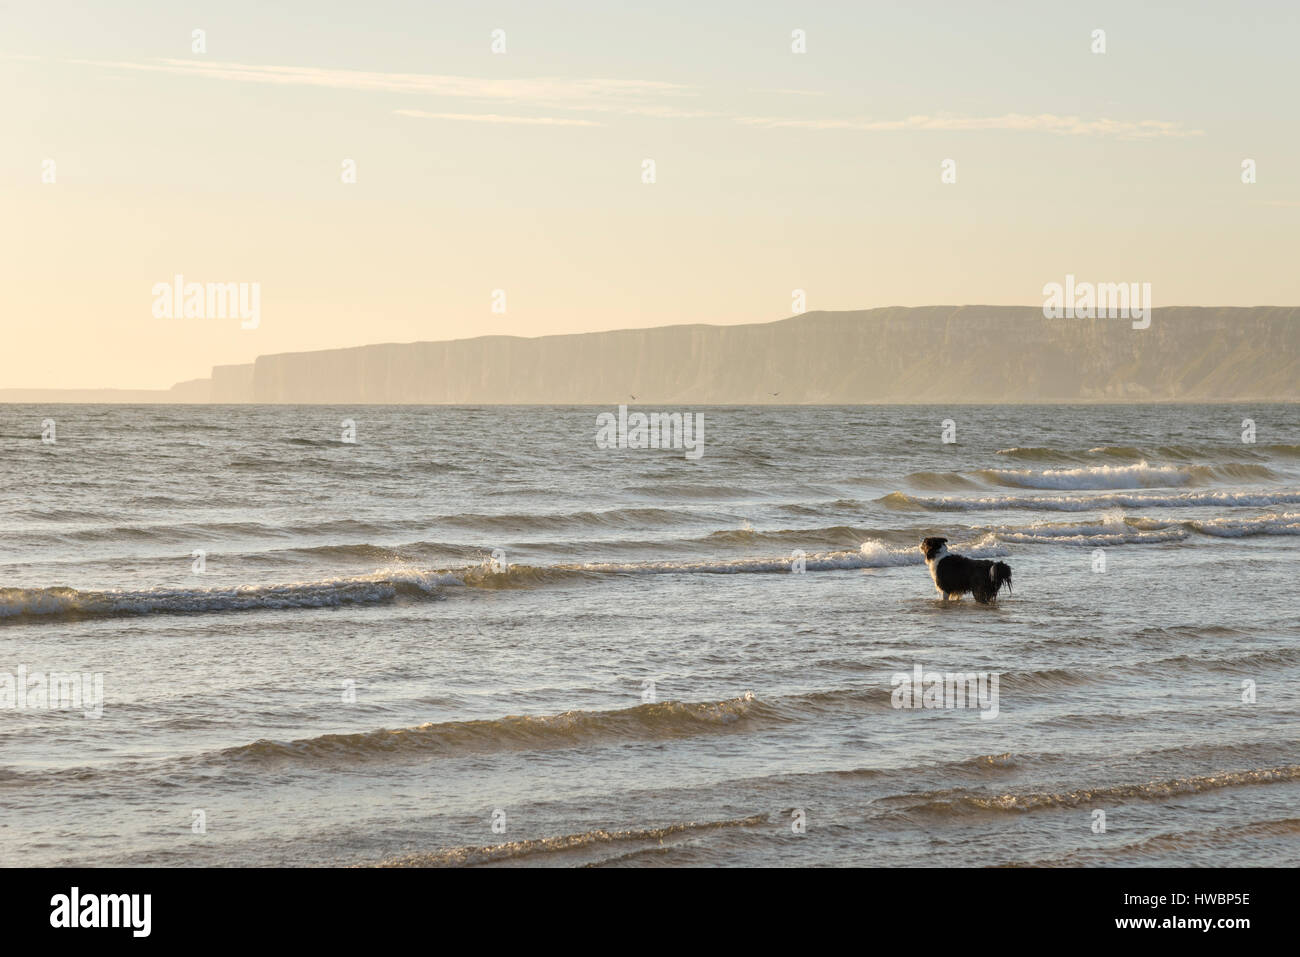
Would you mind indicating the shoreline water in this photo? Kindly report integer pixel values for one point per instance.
(473, 637)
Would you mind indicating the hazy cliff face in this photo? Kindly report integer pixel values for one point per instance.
(930, 354)
(232, 383)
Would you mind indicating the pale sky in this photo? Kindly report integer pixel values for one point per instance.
(522, 170)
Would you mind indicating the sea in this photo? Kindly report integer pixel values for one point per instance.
(472, 636)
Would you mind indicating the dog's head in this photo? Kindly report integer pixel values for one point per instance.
(932, 547)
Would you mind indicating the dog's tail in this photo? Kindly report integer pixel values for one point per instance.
(1001, 575)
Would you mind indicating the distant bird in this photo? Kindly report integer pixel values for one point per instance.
(776, 393)
(632, 396)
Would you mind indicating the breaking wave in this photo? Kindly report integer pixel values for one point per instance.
(1116, 529)
(1090, 535)
(62, 604)
(1082, 503)
(1175, 453)
(1284, 524)
(1139, 475)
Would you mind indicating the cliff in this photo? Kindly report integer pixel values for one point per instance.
(927, 354)
(231, 384)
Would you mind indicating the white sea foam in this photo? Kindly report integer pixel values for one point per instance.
(1092, 537)
(1084, 503)
(1284, 524)
(1140, 475)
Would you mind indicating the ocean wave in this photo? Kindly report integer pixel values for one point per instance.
(658, 721)
(684, 490)
(979, 767)
(62, 604)
(1173, 842)
(901, 501)
(1266, 658)
(368, 552)
(318, 443)
(470, 856)
(1173, 453)
(940, 481)
(614, 518)
(1090, 536)
(1041, 453)
(839, 534)
(1120, 530)
(1138, 475)
(957, 801)
(363, 528)
(1049, 679)
(1285, 524)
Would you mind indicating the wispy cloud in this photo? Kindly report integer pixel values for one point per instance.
(498, 118)
(595, 94)
(652, 98)
(1018, 122)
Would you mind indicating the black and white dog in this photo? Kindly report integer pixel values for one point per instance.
(954, 575)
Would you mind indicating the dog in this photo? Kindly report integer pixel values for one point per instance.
(954, 575)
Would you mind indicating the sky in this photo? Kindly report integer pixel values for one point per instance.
(524, 171)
